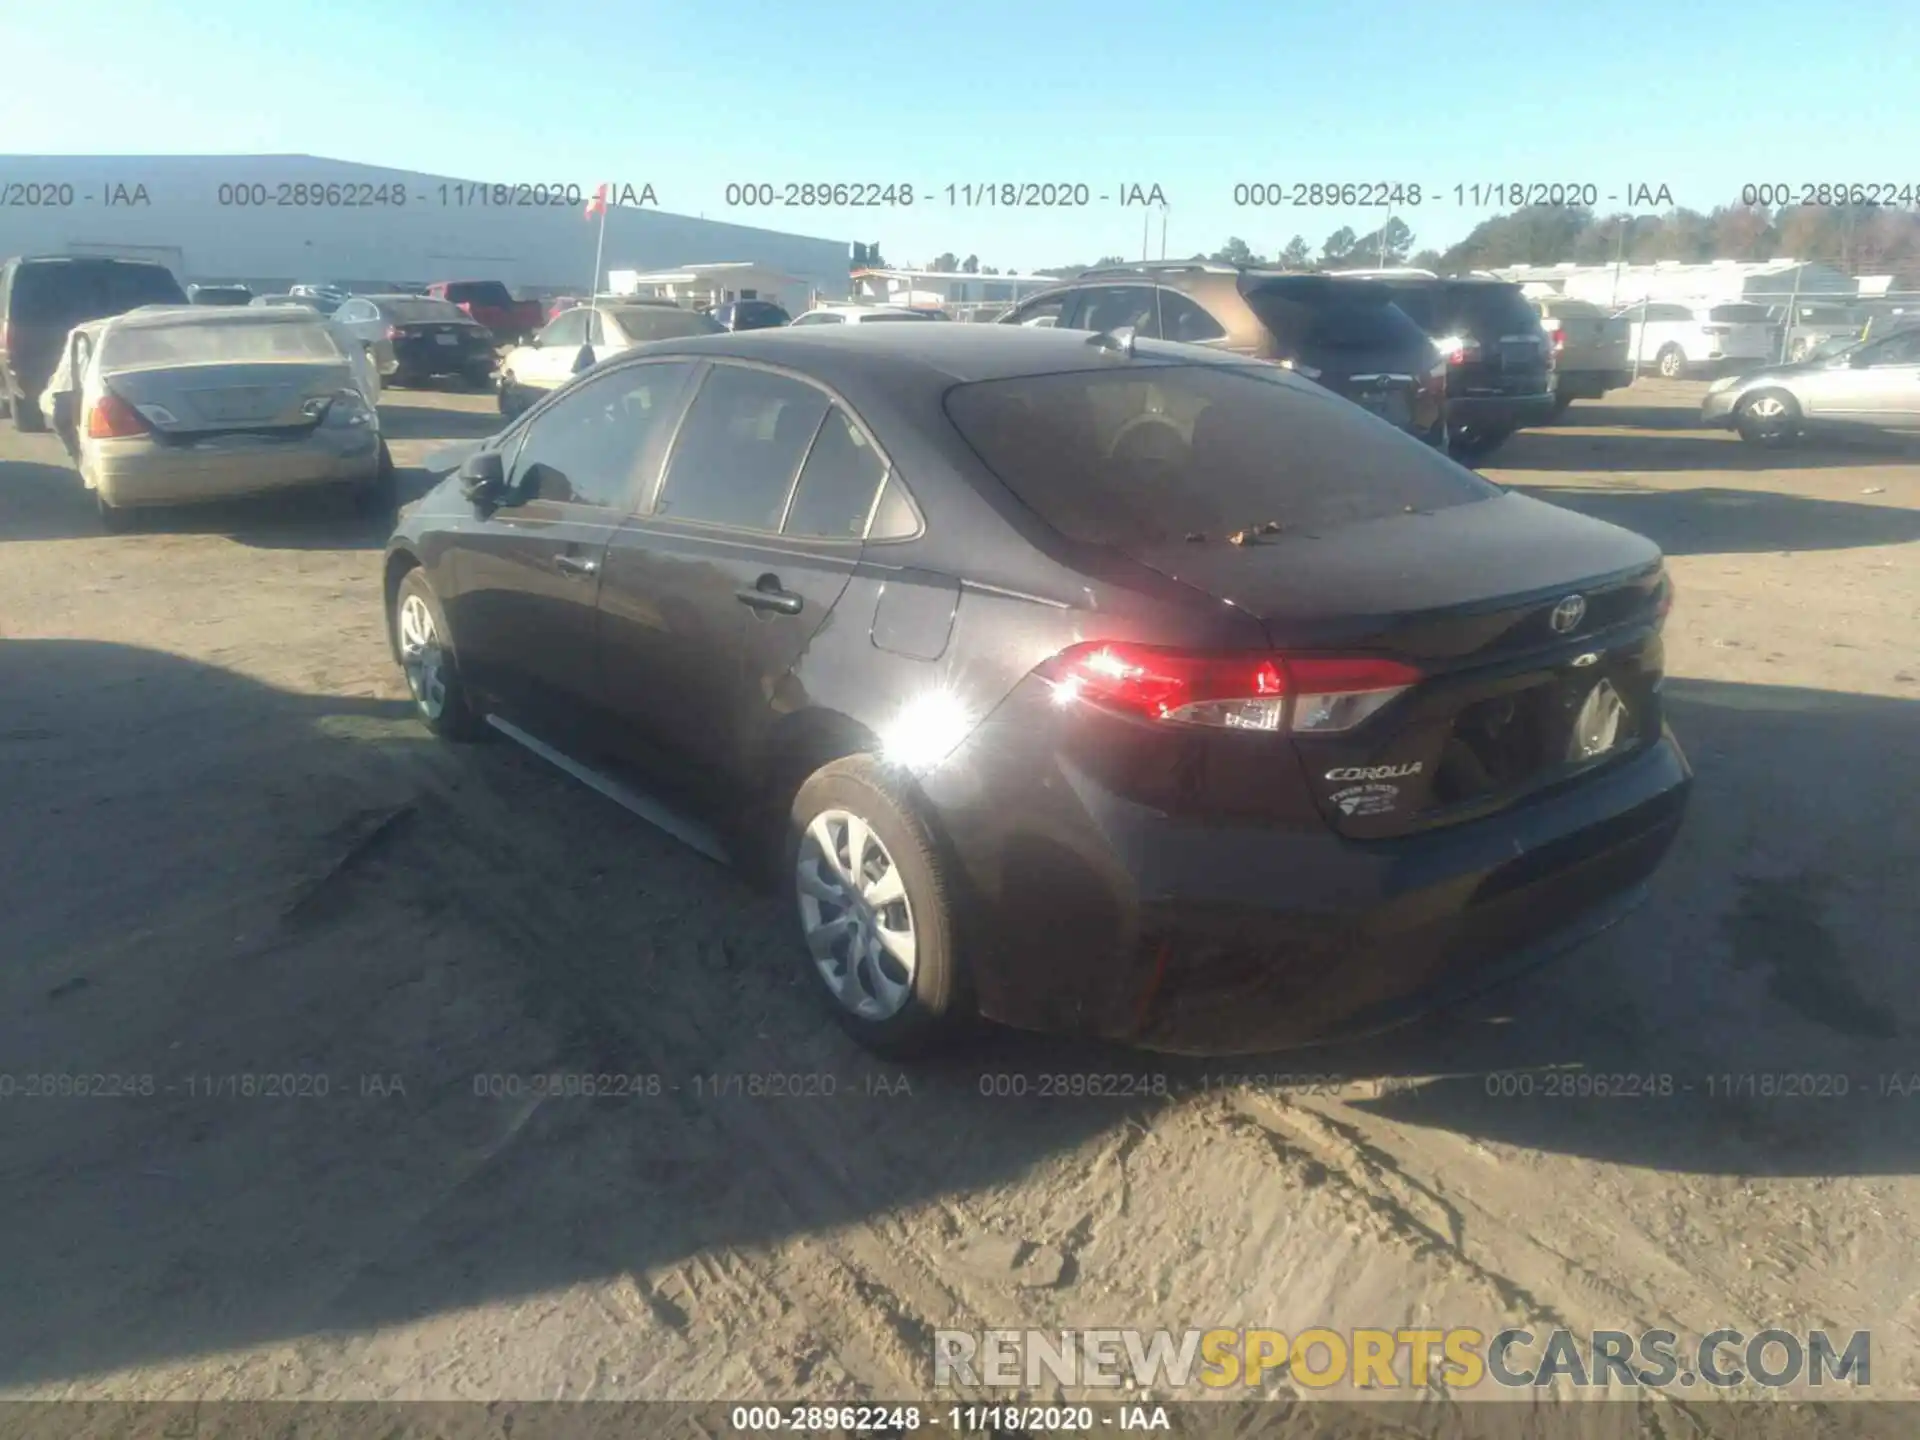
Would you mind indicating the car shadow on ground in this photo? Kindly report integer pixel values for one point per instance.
(309, 967)
(333, 960)
(1726, 521)
(40, 501)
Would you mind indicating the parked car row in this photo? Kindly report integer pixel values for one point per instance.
(1461, 363)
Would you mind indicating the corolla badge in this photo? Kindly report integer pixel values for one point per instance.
(1568, 614)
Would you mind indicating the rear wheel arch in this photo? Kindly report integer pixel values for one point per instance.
(804, 742)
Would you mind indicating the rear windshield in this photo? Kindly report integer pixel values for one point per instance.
(67, 291)
(660, 322)
(1150, 455)
(221, 295)
(1740, 314)
(1356, 317)
(479, 292)
(417, 312)
(1501, 307)
(153, 346)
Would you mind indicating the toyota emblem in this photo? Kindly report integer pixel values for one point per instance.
(1568, 614)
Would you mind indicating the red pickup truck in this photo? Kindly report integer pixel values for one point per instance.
(491, 305)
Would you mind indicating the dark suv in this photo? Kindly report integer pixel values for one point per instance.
(1347, 335)
(1499, 361)
(42, 297)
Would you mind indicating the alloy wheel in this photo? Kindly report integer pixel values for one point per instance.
(856, 915)
(423, 657)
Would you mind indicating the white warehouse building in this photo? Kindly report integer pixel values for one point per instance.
(275, 220)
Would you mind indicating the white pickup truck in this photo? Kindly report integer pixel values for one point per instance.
(1679, 339)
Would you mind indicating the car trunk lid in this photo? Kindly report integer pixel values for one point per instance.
(274, 397)
(1512, 697)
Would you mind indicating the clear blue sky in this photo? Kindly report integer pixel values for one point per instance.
(689, 96)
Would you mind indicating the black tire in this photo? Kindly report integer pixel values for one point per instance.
(6, 405)
(1671, 362)
(380, 495)
(940, 1002)
(510, 404)
(1478, 443)
(1562, 402)
(477, 379)
(27, 418)
(455, 718)
(1776, 432)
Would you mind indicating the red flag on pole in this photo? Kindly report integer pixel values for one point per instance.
(598, 204)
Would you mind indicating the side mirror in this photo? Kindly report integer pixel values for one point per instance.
(483, 478)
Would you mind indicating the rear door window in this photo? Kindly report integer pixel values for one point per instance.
(837, 485)
(1149, 456)
(1182, 319)
(740, 448)
(1042, 311)
(1740, 315)
(1112, 307)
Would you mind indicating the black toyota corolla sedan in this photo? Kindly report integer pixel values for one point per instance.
(1082, 683)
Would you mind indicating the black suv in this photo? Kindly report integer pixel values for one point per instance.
(1499, 360)
(1346, 335)
(42, 297)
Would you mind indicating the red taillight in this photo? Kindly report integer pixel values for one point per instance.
(1303, 693)
(114, 419)
(1559, 338)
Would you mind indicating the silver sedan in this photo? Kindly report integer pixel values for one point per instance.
(173, 405)
(1874, 385)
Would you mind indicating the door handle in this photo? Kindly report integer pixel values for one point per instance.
(767, 595)
(577, 564)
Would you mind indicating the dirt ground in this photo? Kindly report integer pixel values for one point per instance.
(227, 851)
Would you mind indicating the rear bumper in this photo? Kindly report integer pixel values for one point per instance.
(1107, 918)
(433, 359)
(1501, 412)
(140, 473)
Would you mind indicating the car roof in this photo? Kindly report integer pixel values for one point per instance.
(938, 355)
(153, 316)
(86, 260)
